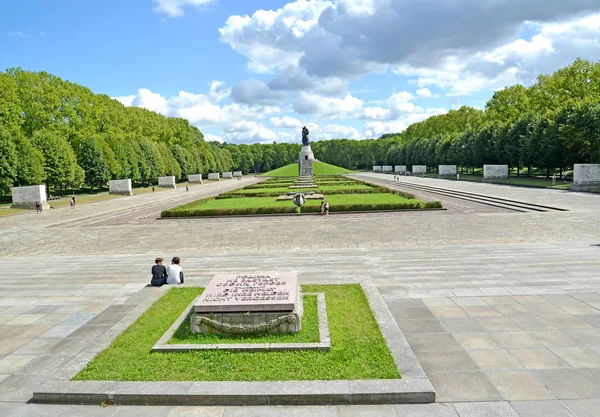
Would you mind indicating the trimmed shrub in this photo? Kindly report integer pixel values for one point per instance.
(376, 207)
(228, 212)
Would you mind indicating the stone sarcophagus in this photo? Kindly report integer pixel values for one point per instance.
(249, 304)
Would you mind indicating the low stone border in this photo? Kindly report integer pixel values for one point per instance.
(323, 344)
(413, 388)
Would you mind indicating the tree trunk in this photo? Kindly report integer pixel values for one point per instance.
(529, 170)
(547, 173)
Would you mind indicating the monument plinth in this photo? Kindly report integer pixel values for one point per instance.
(249, 304)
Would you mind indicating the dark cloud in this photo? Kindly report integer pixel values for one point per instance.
(256, 92)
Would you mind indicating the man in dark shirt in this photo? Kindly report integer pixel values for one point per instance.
(159, 273)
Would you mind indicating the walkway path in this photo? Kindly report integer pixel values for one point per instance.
(502, 309)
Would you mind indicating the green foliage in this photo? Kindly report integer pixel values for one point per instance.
(8, 161)
(358, 350)
(552, 124)
(94, 162)
(60, 162)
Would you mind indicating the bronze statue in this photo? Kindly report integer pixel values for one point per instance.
(305, 139)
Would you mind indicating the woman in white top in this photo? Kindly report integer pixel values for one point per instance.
(175, 272)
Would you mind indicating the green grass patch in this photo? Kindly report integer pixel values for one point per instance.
(291, 170)
(11, 211)
(358, 350)
(270, 205)
(319, 168)
(308, 334)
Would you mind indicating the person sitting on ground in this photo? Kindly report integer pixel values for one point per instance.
(175, 272)
(159, 273)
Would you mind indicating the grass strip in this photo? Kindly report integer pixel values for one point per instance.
(358, 350)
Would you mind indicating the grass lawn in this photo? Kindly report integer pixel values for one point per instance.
(358, 350)
(10, 211)
(321, 189)
(321, 168)
(292, 170)
(308, 334)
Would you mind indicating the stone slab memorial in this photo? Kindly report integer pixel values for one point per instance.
(214, 176)
(419, 169)
(249, 304)
(195, 178)
(586, 177)
(387, 168)
(495, 172)
(377, 168)
(167, 182)
(237, 174)
(447, 171)
(228, 175)
(26, 197)
(400, 168)
(120, 187)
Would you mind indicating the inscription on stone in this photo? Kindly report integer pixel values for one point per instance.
(242, 293)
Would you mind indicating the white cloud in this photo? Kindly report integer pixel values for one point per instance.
(285, 122)
(251, 132)
(327, 107)
(175, 8)
(373, 130)
(256, 92)
(424, 92)
(333, 131)
(218, 91)
(213, 138)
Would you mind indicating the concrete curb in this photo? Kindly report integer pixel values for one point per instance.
(413, 388)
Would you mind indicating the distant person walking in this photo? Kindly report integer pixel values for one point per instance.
(322, 207)
(175, 272)
(553, 180)
(38, 207)
(152, 188)
(159, 273)
(326, 207)
(72, 203)
(458, 176)
(187, 187)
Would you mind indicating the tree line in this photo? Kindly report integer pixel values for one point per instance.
(59, 133)
(553, 124)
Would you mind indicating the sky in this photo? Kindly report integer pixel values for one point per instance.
(248, 71)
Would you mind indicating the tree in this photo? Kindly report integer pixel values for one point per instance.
(8, 161)
(94, 162)
(60, 162)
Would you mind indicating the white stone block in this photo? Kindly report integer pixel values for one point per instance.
(237, 174)
(214, 176)
(120, 187)
(195, 178)
(586, 176)
(388, 168)
(167, 182)
(495, 172)
(228, 175)
(400, 168)
(376, 168)
(306, 154)
(419, 169)
(448, 171)
(26, 197)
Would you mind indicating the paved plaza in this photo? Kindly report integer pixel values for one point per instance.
(501, 308)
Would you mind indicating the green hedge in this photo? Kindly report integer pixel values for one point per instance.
(228, 212)
(180, 212)
(376, 207)
(263, 185)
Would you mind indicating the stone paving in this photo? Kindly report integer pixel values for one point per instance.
(501, 309)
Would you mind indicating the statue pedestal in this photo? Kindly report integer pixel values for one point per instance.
(306, 161)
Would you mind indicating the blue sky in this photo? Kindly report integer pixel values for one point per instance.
(256, 71)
